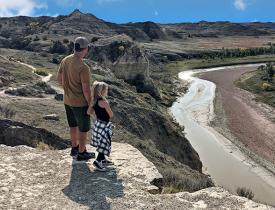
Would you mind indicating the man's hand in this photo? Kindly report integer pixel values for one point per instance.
(90, 111)
(87, 92)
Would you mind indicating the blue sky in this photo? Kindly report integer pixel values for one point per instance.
(162, 11)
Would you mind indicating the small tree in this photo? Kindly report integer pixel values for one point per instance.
(58, 47)
(55, 59)
(269, 72)
(19, 43)
(70, 47)
(261, 68)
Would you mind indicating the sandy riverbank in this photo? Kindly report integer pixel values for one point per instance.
(245, 122)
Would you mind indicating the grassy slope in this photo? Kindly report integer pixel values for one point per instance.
(252, 82)
(201, 63)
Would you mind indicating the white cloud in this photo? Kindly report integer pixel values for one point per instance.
(156, 13)
(240, 4)
(51, 15)
(10, 8)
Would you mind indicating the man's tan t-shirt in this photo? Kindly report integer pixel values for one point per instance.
(74, 72)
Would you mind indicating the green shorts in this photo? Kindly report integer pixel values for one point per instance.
(78, 117)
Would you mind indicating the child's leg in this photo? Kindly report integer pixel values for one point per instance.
(100, 156)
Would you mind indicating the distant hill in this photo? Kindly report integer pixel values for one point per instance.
(80, 23)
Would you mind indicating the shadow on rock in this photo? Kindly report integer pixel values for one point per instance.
(92, 188)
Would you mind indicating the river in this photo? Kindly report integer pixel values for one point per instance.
(228, 167)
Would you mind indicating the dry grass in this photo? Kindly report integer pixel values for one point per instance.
(253, 83)
(245, 192)
(176, 181)
(42, 146)
(198, 44)
(7, 112)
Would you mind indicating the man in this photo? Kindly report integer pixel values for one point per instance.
(74, 77)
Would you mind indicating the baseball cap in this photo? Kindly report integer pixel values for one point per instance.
(82, 41)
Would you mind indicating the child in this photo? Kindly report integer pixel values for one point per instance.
(102, 131)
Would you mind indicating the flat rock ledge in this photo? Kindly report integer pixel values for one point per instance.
(35, 179)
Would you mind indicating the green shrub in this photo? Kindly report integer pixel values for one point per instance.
(41, 73)
(58, 47)
(36, 90)
(44, 87)
(19, 43)
(65, 41)
(56, 59)
(44, 54)
(244, 192)
(94, 39)
(121, 48)
(267, 87)
(36, 38)
(6, 33)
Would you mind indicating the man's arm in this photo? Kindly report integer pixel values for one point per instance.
(87, 92)
(86, 85)
(60, 74)
(60, 79)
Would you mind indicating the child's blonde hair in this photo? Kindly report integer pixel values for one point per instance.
(97, 89)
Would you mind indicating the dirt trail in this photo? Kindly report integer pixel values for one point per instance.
(43, 79)
(249, 121)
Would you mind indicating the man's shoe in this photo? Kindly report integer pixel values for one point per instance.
(106, 162)
(84, 156)
(98, 166)
(91, 154)
(74, 150)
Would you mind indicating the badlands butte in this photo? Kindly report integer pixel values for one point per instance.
(156, 167)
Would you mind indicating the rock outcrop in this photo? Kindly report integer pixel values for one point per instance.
(34, 179)
(127, 61)
(16, 133)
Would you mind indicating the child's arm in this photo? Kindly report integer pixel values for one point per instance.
(105, 104)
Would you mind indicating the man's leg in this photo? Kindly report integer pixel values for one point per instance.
(74, 136)
(82, 137)
(73, 129)
(83, 121)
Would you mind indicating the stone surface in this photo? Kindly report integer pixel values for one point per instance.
(34, 179)
(51, 117)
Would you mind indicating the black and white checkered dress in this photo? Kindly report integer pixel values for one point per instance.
(102, 133)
